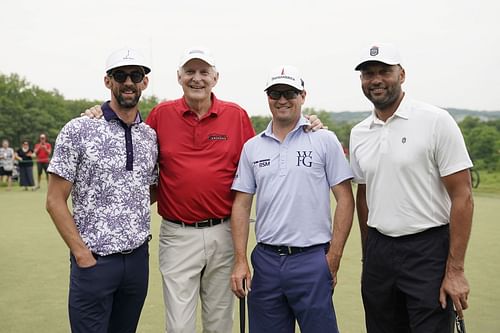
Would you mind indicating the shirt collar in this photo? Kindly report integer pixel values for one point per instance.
(301, 123)
(403, 112)
(213, 110)
(109, 114)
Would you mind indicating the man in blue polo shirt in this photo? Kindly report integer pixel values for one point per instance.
(297, 256)
(108, 166)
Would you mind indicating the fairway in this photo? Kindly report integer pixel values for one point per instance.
(35, 267)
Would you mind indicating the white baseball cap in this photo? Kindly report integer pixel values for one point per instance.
(201, 53)
(126, 57)
(380, 52)
(285, 74)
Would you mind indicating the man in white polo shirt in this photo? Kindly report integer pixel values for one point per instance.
(296, 258)
(414, 203)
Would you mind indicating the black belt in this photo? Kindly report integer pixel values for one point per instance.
(284, 250)
(200, 224)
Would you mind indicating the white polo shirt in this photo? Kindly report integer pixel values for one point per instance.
(292, 181)
(402, 161)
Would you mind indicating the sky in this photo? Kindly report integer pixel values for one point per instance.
(450, 48)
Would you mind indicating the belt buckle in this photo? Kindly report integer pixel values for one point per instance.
(127, 251)
(201, 224)
(284, 250)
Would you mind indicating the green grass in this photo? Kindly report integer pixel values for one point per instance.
(34, 271)
(489, 182)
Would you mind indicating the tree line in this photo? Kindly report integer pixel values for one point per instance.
(26, 111)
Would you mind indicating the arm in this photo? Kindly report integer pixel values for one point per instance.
(342, 222)
(454, 283)
(56, 204)
(362, 212)
(240, 216)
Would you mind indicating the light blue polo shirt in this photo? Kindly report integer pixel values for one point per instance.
(292, 181)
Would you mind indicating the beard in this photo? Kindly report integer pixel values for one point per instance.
(127, 103)
(385, 101)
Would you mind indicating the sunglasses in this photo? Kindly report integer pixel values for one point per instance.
(121, 76)
(288, 94)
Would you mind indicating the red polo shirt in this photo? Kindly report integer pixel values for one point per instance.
(198, 158)
(43, 152)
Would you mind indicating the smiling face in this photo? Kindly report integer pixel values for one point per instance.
(126, 94)
(286, 112)
(381, 84)
(197, 79)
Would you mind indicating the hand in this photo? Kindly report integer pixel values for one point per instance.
(93, 112)
(456, 286)
(315, 123)
(333, 265)
(241, 272)
(85, 260)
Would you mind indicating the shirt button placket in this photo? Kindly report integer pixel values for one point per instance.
(283, 154)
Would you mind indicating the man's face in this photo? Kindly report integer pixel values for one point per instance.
(381, 83)
(197, 79)
(126, 84)
(285, 103)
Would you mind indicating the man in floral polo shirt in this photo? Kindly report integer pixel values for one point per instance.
(108, 166)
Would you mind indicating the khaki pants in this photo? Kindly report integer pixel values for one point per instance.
(197, 263)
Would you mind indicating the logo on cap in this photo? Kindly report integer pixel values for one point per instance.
(196, 51)
(374, 51)
(127, 56)
(283, 75)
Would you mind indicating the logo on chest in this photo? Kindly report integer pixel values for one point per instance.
(262, 163)
(217, 137)
(304, 158)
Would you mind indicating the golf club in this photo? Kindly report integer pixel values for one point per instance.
(242, 311)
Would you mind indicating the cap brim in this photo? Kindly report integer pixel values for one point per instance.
(146, 68)
(209, 62)
(284, 82)
(361, 64)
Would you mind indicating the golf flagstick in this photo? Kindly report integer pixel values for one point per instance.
(242, 311)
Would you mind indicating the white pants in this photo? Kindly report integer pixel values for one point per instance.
(197, 262)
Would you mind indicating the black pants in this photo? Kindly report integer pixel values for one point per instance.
(401, 281)
(109, 296)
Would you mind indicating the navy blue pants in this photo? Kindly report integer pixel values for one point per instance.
(293, 287)
(109, 296)
(401, 281)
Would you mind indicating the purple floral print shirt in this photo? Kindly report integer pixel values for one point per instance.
(111, 166)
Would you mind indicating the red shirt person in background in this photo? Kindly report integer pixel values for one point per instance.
(43, 149)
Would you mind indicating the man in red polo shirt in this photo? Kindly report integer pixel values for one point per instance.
(43, 149)
(200, 139)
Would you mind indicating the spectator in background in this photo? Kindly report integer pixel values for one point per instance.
(25, 157)
(43, 149)
(6, 163)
